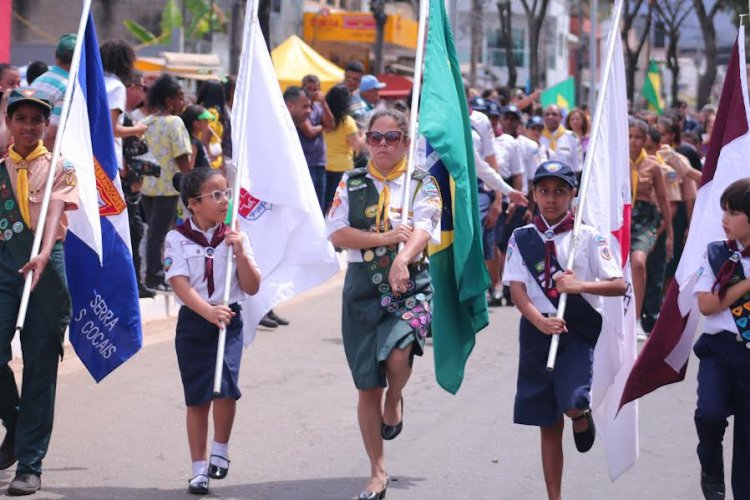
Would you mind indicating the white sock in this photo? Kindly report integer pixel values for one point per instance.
(220, 450)
(200, 467)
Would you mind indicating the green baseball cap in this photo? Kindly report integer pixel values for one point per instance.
(27, 95)
(66, 45)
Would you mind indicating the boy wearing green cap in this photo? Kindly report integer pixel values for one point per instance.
(23, 175)
(54, 82)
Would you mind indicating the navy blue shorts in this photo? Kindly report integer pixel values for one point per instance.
(196, 342)
(488, 235)
(542, 396)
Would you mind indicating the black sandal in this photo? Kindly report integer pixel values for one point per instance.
(198, 486)
(216, 471)
(585, 439)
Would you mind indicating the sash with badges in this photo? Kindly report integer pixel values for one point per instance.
(580, 316)
(17, 240)
(719, 254)
(411, 306)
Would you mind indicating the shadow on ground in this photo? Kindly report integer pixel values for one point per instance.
(338, 488)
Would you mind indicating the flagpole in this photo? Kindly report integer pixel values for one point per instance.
(414, 109)
(245, 74)
(613, 32)
(72, 77)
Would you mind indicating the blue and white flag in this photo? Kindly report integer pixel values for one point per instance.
(106, 325)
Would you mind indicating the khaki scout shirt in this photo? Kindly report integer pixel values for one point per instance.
(64, 187)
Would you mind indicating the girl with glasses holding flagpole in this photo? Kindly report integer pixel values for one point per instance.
(195, 256)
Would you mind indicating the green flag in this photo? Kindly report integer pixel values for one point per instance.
(459, 276)
(563, 95)
(652, 88)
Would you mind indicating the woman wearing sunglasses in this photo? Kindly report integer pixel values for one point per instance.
(387, 291)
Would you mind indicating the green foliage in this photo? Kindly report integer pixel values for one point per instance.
(202, 20)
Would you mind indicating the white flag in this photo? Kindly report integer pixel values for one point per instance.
(277, 208)
(607, 208)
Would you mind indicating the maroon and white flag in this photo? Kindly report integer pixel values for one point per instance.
(664, 358)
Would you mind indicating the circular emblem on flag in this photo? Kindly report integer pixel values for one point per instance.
(385, 301)
(377, 278)
(380, 251)
(410, 285)
(414, 323)
(407, 316)
(8, 234)
(9, 204)
(735, 257)
(368, 256)
(18, 227)
(410, 303)
(210, 252)
(392, 307)
(549, 234)
(3, 224)
(373, 266)
(384, 288)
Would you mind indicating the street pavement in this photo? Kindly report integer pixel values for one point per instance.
(296, 434)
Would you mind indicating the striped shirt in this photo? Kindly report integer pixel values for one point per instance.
(53, 84)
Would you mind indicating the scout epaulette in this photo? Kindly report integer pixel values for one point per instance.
(580, 316)
(718, 253)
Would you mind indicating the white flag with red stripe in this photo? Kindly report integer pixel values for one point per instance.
(607, 208)
(664, 358)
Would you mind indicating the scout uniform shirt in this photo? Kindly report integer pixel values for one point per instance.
(64, 188)
(183, 257)
(594, 262)
(563, 146)
(425, 208)
(720, 321)
(508, 155)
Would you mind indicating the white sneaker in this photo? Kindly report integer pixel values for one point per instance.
(640, 335)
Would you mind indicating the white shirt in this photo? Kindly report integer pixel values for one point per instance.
(183, 257)
(594, 262)
(116, 97)
(482, 125)
(425, 213)
(508, 156)
(720, 321)
(485, 172)
(566, 150)
(532, 155)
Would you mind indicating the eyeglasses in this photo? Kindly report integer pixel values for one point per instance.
(376, 138)
(218, 195)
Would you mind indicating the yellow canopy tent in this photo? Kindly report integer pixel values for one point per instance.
(293, 59)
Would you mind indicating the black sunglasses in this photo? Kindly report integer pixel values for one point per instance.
(376, 138)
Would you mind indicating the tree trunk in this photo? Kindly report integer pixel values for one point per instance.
(673, 63)
(534, 33)
(507, 41)
(264, 19)
(378, 12)
(477, 25)
(631, 66)
(235, 30)
(706, 20)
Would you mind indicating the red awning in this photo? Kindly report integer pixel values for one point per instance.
(396, 86)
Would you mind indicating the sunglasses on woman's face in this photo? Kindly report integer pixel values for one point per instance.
(391, 138)
(218, 195)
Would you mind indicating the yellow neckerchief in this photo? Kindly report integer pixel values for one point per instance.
(634, 173)
(553, 137)
(384, 198)
(22, 178)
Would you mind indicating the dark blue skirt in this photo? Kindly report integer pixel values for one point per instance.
(196, 342)
(543, 396)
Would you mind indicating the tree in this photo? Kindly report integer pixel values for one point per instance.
(506, 39)
(706, 21)
(535, 10)
(632, 54)
(477, 35)
(377, 7)
(673, 14)
(205, 17)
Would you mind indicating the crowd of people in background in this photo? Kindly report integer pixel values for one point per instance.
(163, 127)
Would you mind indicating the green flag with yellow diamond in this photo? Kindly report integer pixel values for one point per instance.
(652, 88)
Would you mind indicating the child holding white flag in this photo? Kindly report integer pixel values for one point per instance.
(195, 256)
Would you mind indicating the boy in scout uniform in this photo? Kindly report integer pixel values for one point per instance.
(23, 175)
